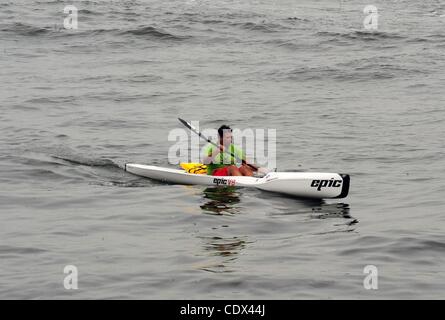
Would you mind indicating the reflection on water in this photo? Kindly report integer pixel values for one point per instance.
(314, 208)
(335, 210)
(225, 247)
(224, 251)
(331, 210)
(220, 200)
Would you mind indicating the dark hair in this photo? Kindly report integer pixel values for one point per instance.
(222, 129)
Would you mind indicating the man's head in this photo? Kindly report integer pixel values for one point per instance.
(225, 135)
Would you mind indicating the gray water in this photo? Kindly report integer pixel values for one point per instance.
(76, 105)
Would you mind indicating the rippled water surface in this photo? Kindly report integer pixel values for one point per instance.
(76, 105)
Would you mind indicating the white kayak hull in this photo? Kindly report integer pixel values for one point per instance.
(319, 185)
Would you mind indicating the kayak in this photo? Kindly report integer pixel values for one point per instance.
(318, 185)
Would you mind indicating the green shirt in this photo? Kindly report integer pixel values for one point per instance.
(223, 159)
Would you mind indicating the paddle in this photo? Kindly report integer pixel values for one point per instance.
(188, 125)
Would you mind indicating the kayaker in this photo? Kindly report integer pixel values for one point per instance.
(218, 159)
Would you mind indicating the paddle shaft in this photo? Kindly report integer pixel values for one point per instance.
(188, 125)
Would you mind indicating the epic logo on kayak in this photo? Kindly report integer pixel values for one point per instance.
(224, 182)
(325, 183)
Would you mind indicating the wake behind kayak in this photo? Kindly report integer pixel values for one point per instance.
(317, 185)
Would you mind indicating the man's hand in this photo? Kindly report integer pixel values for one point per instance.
(215, 152)
(263, 170)
(218, 151)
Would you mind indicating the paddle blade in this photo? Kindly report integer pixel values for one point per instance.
(188, 125)
(184, 123)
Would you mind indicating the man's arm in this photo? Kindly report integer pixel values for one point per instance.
(252, 166)
(212, 153)
(242, 155)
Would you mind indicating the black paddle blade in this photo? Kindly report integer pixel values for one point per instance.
(184, 122)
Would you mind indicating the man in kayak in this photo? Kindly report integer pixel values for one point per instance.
(219, 160)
